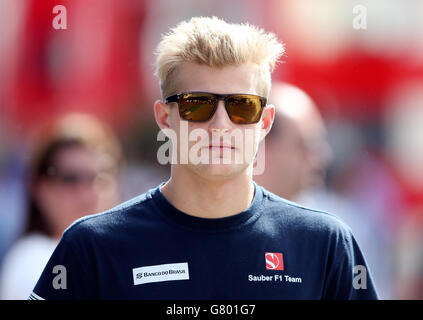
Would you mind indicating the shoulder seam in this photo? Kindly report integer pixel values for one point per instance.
(297, 205)
(120, 207)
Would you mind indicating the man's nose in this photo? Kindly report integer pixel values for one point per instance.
(220, 119)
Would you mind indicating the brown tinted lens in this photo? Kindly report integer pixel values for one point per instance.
(196, 106)
(244, 109)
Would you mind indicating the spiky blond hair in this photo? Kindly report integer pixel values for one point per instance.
(216, 43)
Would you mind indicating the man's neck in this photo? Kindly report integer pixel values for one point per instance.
(204, 198)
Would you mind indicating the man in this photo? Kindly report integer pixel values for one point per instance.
(209, 232)
(297, 147)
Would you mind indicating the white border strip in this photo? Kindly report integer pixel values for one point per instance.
(35, 296)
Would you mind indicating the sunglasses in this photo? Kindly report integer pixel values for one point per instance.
(72, 178)
(201, 106)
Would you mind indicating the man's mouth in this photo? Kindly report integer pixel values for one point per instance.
(220, 146)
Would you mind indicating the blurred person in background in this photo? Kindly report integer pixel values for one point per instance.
(409, 255)
(298, 150)
(404, 148)
(297, 147)
(73, 172)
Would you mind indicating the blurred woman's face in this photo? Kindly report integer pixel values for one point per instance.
(78, 183)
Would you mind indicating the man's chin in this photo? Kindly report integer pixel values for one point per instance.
(218, 171)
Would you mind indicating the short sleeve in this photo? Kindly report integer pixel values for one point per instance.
(67, 275)
(348, 276)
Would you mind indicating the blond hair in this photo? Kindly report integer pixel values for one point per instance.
(216, 43)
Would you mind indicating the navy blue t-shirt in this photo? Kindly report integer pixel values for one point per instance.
(145, 248)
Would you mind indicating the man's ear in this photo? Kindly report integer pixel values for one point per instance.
(162, 114)
(267, 120)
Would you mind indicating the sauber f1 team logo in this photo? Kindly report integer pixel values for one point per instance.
(274, 261)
